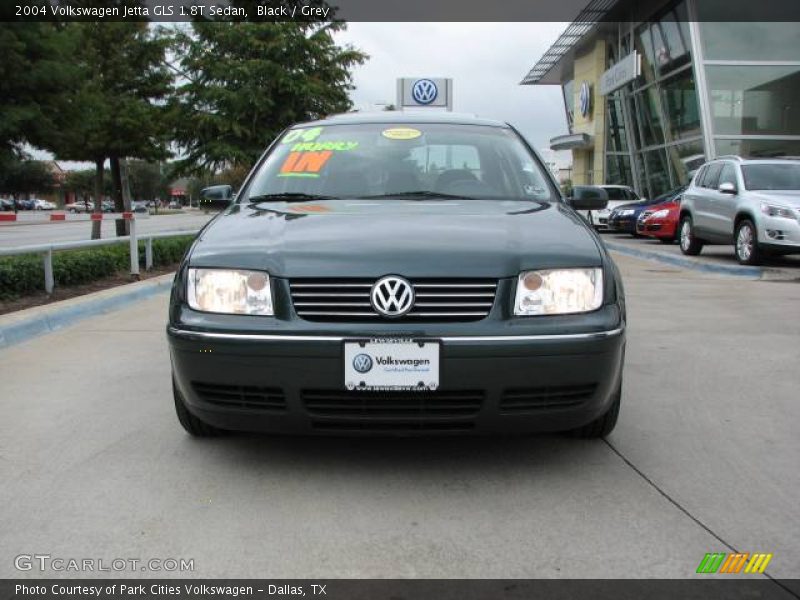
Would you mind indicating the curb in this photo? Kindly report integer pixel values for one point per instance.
(53, 317)
(688, 263)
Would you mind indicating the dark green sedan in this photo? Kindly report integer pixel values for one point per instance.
(400, 274)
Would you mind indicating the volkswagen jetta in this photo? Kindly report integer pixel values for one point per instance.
(398, 274)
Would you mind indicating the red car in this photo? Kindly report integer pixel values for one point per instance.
(660, 221)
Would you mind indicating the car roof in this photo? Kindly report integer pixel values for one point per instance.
(396, 116)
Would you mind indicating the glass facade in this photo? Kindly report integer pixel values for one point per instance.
(659, 130)
(663, 135)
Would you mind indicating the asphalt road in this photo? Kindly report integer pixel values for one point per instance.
(704, 459)
(42, 233)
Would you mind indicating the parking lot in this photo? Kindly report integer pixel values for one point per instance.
(704, 459)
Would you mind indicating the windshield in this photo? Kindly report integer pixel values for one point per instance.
(408, 161)
(775, 176)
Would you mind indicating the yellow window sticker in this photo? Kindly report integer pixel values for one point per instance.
(401, 133)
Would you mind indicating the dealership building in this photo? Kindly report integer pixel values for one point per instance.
(652, 89)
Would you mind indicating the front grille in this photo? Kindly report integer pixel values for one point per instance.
(344, 410)
(539, 398)
(435, 300)
(241, 396)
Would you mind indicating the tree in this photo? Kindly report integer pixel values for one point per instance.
(24, 177)
(113, 111)
(241, 84)
(146, 180)
(35, 67)
(82, 183)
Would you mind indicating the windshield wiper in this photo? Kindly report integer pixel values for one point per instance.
(422, 194)
(288, 197)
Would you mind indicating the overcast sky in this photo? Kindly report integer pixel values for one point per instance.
(485, 60)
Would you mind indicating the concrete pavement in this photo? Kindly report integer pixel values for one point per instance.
(704, 459)
(43, 233)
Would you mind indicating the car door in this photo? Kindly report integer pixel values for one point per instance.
(723, 206)
(703, 199)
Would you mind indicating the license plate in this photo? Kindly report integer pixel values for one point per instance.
(391, 364)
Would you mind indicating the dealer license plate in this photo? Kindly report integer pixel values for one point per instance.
(391, 364)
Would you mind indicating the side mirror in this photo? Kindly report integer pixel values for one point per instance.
(727, 188)
(588, 197)
(216, 196)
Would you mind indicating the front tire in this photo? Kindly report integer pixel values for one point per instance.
(690, 245)
(602, 425)
(746, 243)
(193, 426)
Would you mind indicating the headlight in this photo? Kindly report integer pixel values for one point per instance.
(626, 212)
(232, 291)
(558, 292)
(776, 211)
(660, 214)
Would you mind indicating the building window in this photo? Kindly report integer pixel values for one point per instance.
(617, 139)
(618, 169)
(684, 160)
(649, 113)
(679, 99)
(657, 172)
(754, 100)
(746, 39)
(671, 40)
(758, 147)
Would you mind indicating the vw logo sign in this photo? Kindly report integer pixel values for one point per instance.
(362, 363)
(585, 98)
(424, 91)
(392, 296)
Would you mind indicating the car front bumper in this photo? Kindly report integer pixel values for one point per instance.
(488, 384)
(779, 234)
(623, 224)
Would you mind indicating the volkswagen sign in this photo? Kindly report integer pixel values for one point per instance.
(424, 91)
(392, 296)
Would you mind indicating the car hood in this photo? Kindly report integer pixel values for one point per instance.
(361, 238)
(631, 205)
(781, 197)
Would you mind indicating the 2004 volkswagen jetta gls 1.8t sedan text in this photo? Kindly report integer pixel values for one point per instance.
(391, 274)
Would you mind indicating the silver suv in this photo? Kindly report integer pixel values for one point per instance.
(753, 204)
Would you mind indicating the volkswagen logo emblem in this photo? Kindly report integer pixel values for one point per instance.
(362, 363)
(424, 91)
(392, 296)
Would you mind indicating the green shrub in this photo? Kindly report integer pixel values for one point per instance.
(24, 274)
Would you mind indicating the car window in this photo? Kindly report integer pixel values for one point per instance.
(775, 176)
(383, 160)
(698, 180)
(727, 175)
(711, 175)
(616, 193)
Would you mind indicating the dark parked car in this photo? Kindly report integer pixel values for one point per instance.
(398, 274)
(6, 204)
(623, 218)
